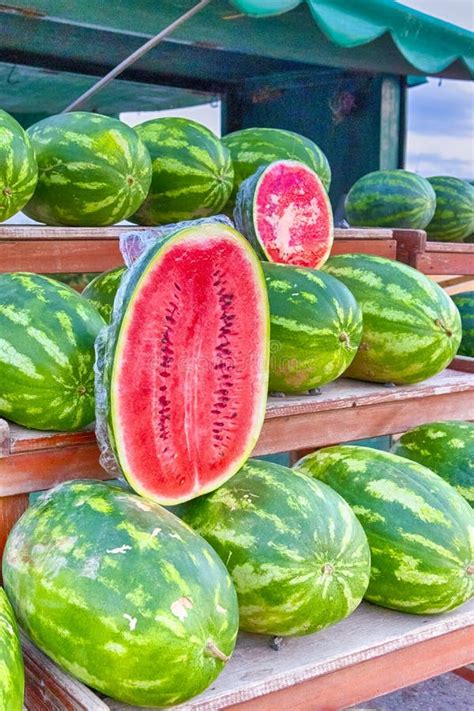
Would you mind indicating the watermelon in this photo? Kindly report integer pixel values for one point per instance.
(391, 198)
(102, 289)
(315, 327)
(18, 167)
(453, 219)
(192, 172)
(412, 329)
(446, 448)
(12, 675)
(420, 530)
(253, 148)
(121, 594)
(465, 305)
(93, 170)
(187, 363)
(296, 553)
(284, 211)
(47, 335)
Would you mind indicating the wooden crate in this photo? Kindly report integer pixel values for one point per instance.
(372, 652)
(53, 250)
(434, 258)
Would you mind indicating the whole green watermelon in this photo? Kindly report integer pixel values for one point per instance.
(12, 675)
(412, 329)
(465, 305)
(420, 530)
(93, 170)
(18, 167)
(453, 219)
(315, 327)
(391, 198)
(253, 148)
(296, 553)
(446, 448)
(192, 172)
(102, 289)
(47, 335)
(121, 594)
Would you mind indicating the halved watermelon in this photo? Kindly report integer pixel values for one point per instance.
(285, 213)
(188, 364)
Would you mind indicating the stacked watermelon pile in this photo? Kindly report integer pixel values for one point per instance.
(175, 355)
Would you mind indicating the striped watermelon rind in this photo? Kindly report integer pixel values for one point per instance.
(420, 530)
(18, 167)
(12, 677)
(285, 213)
(447, 448)
(297, 555)
(47, 335)
(465, 305)
(93, 170)
(391, 198)
(453, 219)
(315, 327)
(100, 292)
(107, 585)
(252, 148)
(412, 329)
(192, 172)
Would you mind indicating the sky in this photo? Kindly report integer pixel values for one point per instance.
(440, 138)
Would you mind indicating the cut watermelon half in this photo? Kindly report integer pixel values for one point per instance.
(284, 211)
(189, 367)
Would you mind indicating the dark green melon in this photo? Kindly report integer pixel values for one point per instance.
(391, 198)
(18, 167)
(465, 304)
(453, 220)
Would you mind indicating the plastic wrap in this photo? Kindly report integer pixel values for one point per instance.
(134, 246)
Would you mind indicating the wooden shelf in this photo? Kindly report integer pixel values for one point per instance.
(345, 410)
(372, 652)
(52, 250)
(433, 258)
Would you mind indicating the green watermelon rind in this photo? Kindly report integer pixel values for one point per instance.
(93, 170)
(107, 585)
(412, 329)
(107, 347)
(453, 220)
(192, 172)
(420, 530)
(18, 167)
(465, 304)
(101, 291)
(253, 148)
(47, 334)
(12, 682)
(315, 327)
(447, 448)
(391, 198)
(296, 553)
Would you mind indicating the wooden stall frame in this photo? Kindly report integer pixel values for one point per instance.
(434, 258)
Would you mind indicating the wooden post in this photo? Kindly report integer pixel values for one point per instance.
(11, 508)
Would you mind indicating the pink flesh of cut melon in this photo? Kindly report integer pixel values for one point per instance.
(190, 373)
(292, 215)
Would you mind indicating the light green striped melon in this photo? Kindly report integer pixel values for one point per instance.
(12, 675)
(121, 594)
(315, 327)
(420, 530)
(102, 289)
(296, 553)
(453, 220)
(47, 335)
(192, 172)
(93, 170)
(18, 167)
(412, 329)
(446, 448)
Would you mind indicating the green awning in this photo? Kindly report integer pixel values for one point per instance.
(428, 44)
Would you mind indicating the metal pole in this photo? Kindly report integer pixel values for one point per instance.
(136, 55)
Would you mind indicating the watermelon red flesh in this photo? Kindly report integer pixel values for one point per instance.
(285, 212)
(190, 374)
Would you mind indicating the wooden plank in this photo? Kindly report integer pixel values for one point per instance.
(409, 244)
(11, 508)
(381, 248)
(464, 364)
(372, 652)
(466, 673)
(443, 262)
